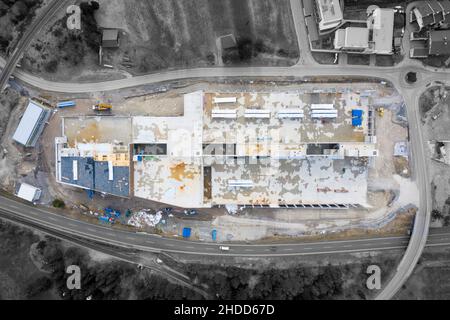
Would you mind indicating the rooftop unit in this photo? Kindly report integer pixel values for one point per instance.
(323, 111)
(324, 115)
(327, 106)
(240, 183)
(257, 113)
(224, 114)
(225, 100)
(290, 114)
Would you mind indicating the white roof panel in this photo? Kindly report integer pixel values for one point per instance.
(27, 192)
(27, 123)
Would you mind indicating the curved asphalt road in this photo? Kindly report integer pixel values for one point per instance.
(393, 74)
(28, 37)
(14, 210)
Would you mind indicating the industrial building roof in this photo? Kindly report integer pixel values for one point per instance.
(318, 180)
(439, 42)
(352, 38)
(29, 126)
(330, 14)
(179, 160)
(382, 24)
(89, 174)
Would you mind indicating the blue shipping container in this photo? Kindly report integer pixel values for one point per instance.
(103, 218)
(64, 104)
(186, 232)
(214, 235)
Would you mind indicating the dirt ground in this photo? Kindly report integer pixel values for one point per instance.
(160, 35)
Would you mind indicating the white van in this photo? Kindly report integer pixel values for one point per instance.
(223, 248)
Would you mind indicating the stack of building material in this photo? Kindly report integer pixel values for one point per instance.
(224, 113)
(290, 113)
(257, 113)
(319, 111)
(240, 183)
(225, 100)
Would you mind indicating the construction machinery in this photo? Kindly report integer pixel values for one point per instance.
(102, 107)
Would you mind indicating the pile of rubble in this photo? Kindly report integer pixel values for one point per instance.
(145, 218)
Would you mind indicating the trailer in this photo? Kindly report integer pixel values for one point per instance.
(65, 104)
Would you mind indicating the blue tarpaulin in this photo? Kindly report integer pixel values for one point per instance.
(357, 113)
(356, 122)
(357, 117)
(186, 232)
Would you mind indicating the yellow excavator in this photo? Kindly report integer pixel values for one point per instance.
(380, 112)
(102, 107)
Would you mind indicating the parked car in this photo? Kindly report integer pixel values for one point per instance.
(190, 212)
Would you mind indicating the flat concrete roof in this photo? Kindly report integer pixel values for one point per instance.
(316, 180)
(352, 38)
(382, 24)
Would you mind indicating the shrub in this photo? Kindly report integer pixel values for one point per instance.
(58, 203)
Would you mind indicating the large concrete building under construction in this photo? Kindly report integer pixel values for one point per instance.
(274, 149)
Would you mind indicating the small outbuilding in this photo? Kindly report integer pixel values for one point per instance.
(32, 124)
(228, 41)
(110, 38)
(28, 192)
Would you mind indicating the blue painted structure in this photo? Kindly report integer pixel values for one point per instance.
(94, 175)
(64, 104)
(186, 232)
